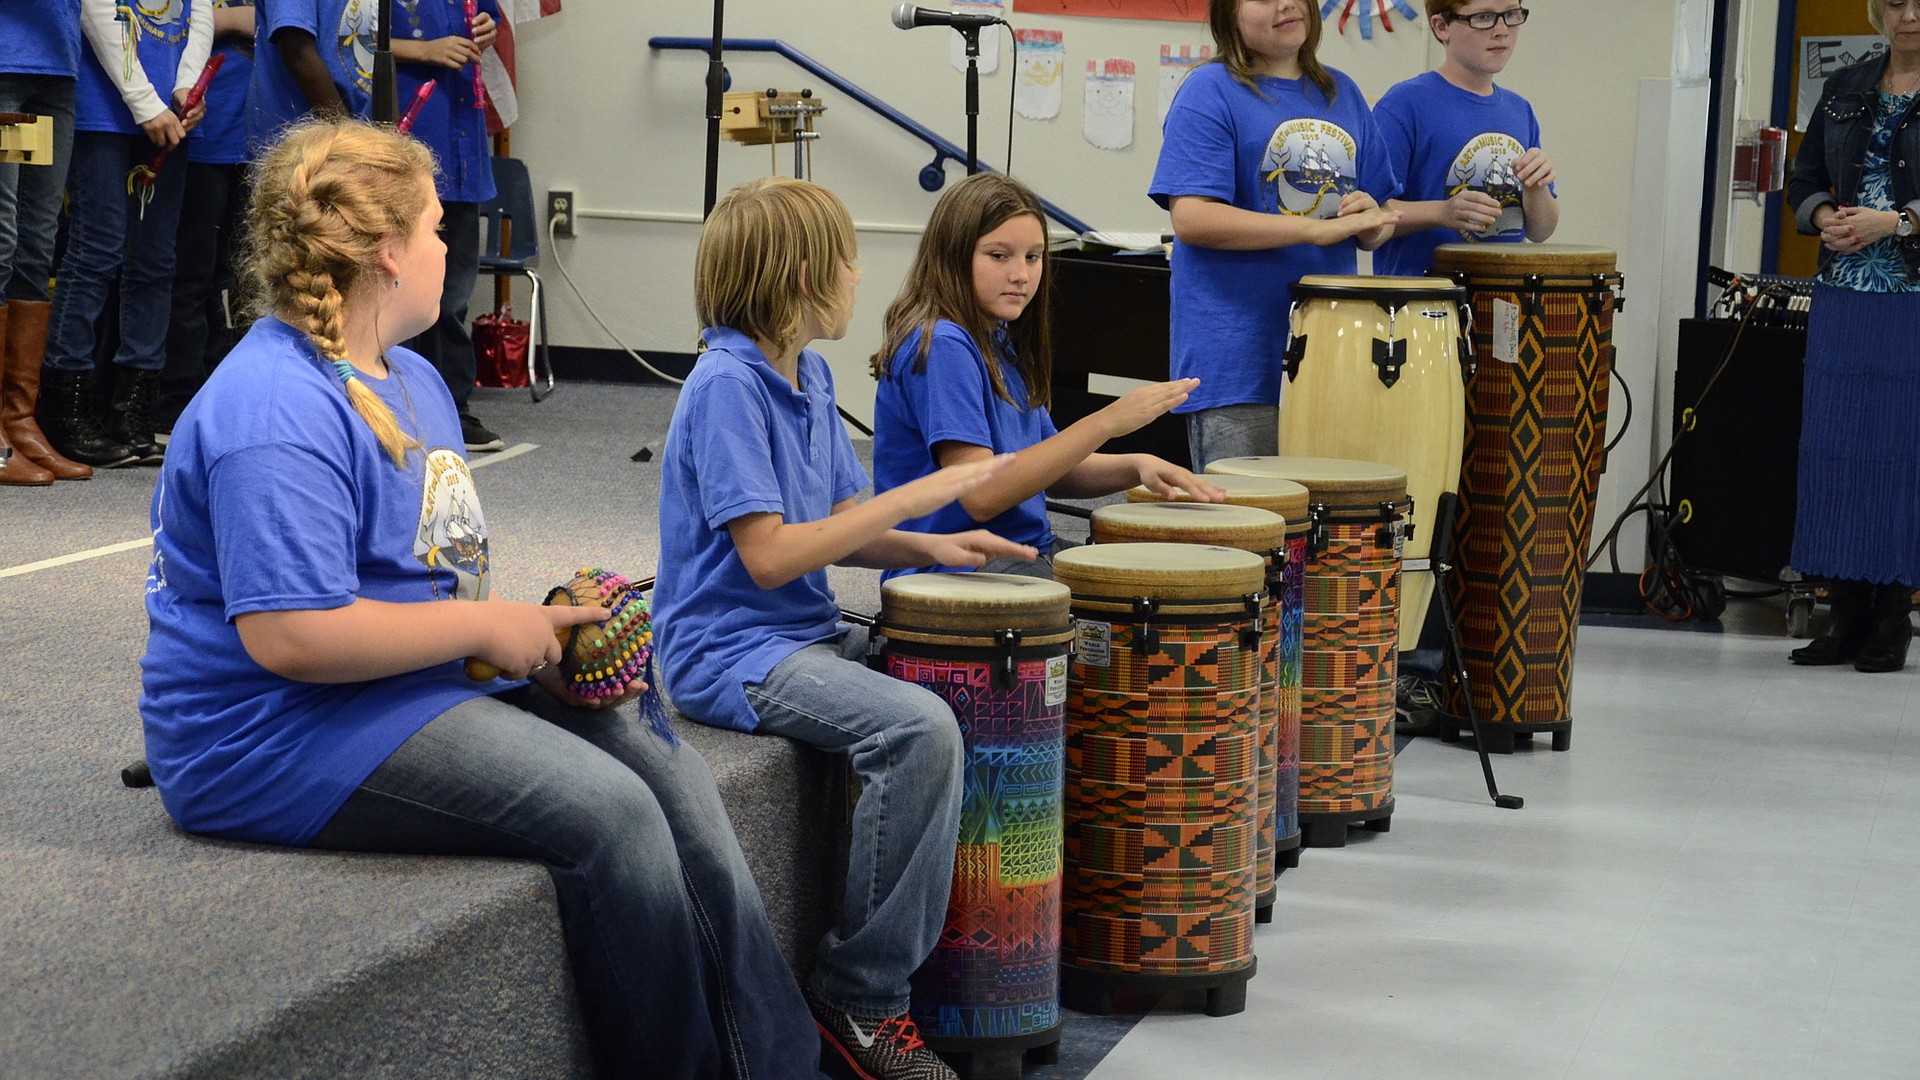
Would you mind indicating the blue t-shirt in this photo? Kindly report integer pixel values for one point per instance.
(346, 45)
(41, 37)
(953, 401)
(221, 138)
(448, 123)
(276, 496)
(743, 441)
(1284, 150)
(159, 36)
(1444, 140)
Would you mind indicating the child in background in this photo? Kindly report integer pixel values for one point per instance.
(121, 224)
(1271, 169)
(320, 571)
(203, 279)
(310, 57)
(757, 500)
(965, 372)
(1467, 151)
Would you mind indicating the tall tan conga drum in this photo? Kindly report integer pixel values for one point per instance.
(1264, 533)
(1536, 432)
(1349, 640)
(1374, 373)
(1163, 697)
(994, 648)
(1289, 500)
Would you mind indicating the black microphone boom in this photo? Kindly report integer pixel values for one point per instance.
(906, 17)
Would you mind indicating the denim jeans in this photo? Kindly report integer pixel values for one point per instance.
(1232, 431)
(109, 239)
(1041, 567)
(905, 744)
(676, 967)
(447, 344)
(30, 194)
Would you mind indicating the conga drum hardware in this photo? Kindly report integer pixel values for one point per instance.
(995, 648)
(1161, 775)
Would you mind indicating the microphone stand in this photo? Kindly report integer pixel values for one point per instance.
(385, 107)
(971, 36)
(716, 83)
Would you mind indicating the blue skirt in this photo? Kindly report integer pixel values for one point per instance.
(1859, 496)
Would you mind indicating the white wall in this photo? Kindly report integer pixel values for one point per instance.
(623, 127)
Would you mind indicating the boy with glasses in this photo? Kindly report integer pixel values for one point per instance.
(1468, 151)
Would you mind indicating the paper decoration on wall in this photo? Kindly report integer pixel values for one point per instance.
(1366, 8)
(1036, 86)
(1186, 11)
(1821, 57)
(1174, 65)
(989, 35)
(1108, 120)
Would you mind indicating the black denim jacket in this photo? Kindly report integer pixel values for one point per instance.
(1832, 154)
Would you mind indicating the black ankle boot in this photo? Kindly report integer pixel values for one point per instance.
(1852, 603)
(130, 415)
(1889, 630)
(65, 412)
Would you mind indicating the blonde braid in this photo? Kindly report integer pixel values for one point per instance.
(326, 197)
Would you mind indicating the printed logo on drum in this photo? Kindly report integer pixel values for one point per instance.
(1309, 165)
(1485, 164)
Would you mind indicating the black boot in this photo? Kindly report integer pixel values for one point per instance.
(130, 414)
(1889, 630)
(1852, 603)
(66, 416)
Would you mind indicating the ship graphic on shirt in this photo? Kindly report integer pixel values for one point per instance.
(1309, 165)
(163, 19)
(453, 532)
(354, 41)
(1485, 164)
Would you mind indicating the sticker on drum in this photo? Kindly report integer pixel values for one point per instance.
(1506, 331)
(1056, 681)
(1095, 644)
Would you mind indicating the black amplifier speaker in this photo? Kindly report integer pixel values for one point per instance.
(1734, 471)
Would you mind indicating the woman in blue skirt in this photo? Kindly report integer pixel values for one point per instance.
(1856, 182)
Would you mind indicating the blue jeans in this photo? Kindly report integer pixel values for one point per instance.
(30, 194)
(109, 239)
(677, 970)
(1232, 431)
(905, 744)
(1041, 567)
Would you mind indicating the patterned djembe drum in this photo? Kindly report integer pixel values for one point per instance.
(1264, 533)
(1162, 772)
(1289, 500)
(1350, 638)
(994, 647)
(1536, 431)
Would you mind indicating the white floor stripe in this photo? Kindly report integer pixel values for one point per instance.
(508, 454)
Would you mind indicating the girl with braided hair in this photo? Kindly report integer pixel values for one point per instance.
(320, 572)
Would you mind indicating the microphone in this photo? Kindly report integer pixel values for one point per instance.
(906, 17)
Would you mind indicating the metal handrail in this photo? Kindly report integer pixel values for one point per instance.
(932, 178)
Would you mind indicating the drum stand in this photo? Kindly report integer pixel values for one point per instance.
(1442, 568)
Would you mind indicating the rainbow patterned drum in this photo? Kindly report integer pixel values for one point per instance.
(1163, 728)
(1264, 533)
(1289, 500)
(994, 647)
(1350, 638)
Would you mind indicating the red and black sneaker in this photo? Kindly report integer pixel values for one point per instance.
(889, 1049)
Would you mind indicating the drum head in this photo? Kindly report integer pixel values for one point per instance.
(1333, 481)
(1283, 497)
(1248, 528)
(1376, 288)
(1513, 260)
(1165, 571)
(974, 602)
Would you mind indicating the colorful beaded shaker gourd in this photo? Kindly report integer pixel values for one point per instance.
(601, 659)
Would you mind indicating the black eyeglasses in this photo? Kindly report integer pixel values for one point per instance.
(1484, 20)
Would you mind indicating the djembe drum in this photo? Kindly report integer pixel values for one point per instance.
(994, 648)
(1162, 772)
(1349, 640)
(1289, 500)
(1536, 430)
(1374, 373)
(1264, 533)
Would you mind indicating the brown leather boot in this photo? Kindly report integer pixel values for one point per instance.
(26, 345)
(15, 469)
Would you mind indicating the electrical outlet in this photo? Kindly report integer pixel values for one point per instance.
(560, 212)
